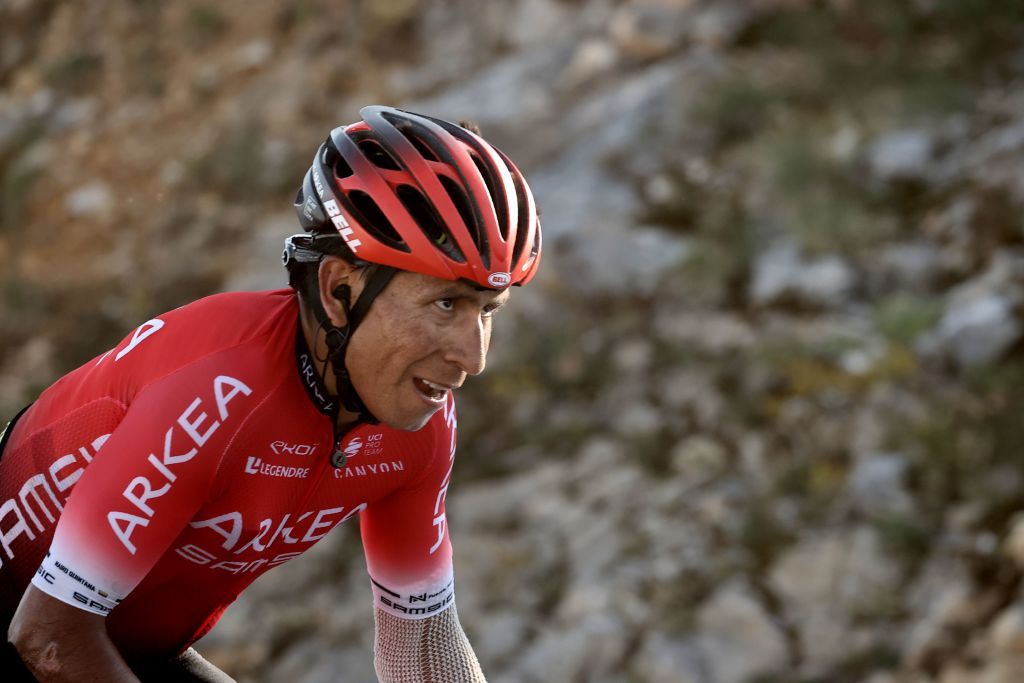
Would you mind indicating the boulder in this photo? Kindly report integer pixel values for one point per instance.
(738, 638)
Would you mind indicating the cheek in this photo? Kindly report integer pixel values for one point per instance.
(398, 344)
(487, 333)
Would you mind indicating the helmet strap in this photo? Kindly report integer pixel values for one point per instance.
(337, 338)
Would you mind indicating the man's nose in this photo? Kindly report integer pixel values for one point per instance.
(467, 345)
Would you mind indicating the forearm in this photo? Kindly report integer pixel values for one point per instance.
(424, 650)
(62, 644)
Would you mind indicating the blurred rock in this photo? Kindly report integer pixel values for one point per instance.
(538, 23)
(25, 369)
(1008, 633)
(648, 29)
(503, 636)
(311, 662)
(638, 420)
(698, 459)
(718, 24)
(692, 392)
(258, 267)
(981, 320)
(1014, 544)
(709, 331)
(592, 58)
(902, 155)
(738, 638)
(633, 356)
(878, 485)
(94, 199)
(559, 653)
(941, 605)
(913, 266)
(78, 112)
(979, 331)
(782, 274)
(665, 660)
(253, 55)
(826, 579)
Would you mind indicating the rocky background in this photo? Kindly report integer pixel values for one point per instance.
(759, 418)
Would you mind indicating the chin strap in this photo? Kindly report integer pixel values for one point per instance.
(337, 338)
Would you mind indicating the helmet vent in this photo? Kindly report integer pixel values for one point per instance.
(429, 223)
(341, 168)
(498, 201)
(420, 146)
(461, 202)
(405, 127)
(377, 155)
(524, 218)
(373, 220)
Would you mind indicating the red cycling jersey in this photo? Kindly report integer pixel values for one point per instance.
(154, 483)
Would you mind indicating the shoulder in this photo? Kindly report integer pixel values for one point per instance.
(208, 325)
(222, 334)
(237, 314)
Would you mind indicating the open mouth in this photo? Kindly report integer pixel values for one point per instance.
(431, 391)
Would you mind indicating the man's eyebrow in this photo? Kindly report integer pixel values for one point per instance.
(498, 303)
(462, 290)
(453, 291)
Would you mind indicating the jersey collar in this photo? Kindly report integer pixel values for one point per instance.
(311, 380)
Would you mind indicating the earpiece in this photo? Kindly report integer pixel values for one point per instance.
(342, 294)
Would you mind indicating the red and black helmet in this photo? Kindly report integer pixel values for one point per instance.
(424, 195)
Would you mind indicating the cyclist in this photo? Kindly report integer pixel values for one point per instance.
(143, 491)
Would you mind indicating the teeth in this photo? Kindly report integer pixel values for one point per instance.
(435, 387)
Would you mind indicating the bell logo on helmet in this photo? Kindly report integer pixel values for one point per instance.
(342, 225)
(499, 279)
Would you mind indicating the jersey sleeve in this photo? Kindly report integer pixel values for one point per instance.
(146, 481)
(405, 536)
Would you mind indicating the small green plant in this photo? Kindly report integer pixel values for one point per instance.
(75, 72)
(901, 317)
(204, 24)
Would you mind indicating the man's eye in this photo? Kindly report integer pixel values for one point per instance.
(445, 304)
(490, 310)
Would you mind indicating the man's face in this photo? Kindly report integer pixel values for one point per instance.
(420, 339)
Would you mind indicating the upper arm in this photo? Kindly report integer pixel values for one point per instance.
(405, 537)
(147, 481)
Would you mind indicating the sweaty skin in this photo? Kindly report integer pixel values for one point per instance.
(418, 327)
(60, 643)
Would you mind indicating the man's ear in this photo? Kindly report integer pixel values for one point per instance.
(337, 278)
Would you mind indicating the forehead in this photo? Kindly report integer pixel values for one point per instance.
(416, 284)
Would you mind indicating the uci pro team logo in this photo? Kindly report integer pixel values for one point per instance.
(372, 447)
(353, 448)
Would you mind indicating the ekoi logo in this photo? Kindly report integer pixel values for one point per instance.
(283, 447)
